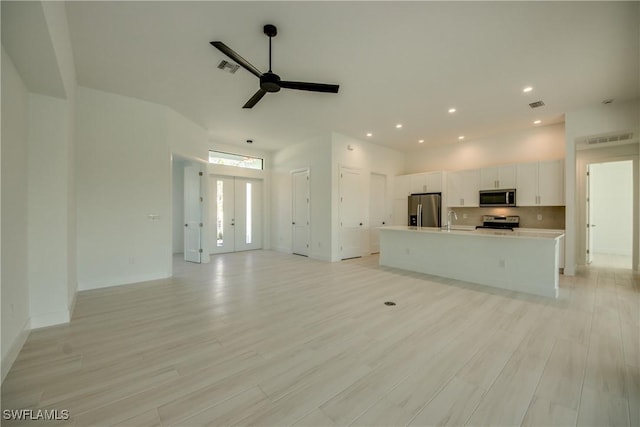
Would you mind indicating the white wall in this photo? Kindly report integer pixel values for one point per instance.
(367, 158)
(48, 201)
(123, 175)
(611, 197)
(601, 119)
(314, 154)
(534, 144)
(14, 284)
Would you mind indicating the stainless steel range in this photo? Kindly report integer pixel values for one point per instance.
(500, 222)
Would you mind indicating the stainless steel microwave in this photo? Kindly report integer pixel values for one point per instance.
(498, 197)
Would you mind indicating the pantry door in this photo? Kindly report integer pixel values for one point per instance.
(377, 209)
(352, 213)
(300, 212)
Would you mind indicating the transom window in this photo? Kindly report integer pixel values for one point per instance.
(238, 160)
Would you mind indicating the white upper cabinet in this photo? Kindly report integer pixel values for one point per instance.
(551, 183)
(540, 183)
(462, 188)
(499, 177)
(429, 182)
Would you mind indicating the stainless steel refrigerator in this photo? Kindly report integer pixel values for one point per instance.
(424, 210)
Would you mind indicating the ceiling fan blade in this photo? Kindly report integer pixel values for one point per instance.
(255, 98)
(313, 87)
(237, 58)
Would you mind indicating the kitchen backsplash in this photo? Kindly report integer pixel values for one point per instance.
(552, 216)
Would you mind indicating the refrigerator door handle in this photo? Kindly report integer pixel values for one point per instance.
(419, 223)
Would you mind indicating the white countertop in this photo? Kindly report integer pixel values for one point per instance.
(527, 233)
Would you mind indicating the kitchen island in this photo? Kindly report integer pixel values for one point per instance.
(524, 261)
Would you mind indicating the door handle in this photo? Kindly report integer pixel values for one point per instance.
(383, 222)
(360, 223)
(293, 223)
(186, 225)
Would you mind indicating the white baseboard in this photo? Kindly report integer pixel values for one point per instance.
(50, 319)
(16, 346)
(72, 304)
(119, 281)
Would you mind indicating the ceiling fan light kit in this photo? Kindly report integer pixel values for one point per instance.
(269, 81)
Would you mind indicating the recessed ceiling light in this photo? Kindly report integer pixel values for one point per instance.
(537, 122)
(420, 141)
(452, 110)
(398, 126)
(461, 137)
(527, 89)
(369, 134)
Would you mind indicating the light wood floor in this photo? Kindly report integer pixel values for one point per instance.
(264, 338)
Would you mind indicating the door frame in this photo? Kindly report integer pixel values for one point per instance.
(604, 155)
(588, 213)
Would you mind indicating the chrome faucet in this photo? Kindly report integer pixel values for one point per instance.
(455, 215)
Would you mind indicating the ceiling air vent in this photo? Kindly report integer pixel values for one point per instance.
(228, 66)
(536, 104)
(611, 138)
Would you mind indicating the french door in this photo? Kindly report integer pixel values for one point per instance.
(236, 214)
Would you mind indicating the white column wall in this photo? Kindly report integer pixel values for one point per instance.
(14, 181)
(314, 154)
(367, 157)
(48, 201)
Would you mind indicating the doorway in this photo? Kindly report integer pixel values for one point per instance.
(609, 211)
(300, 212)
(235, 214)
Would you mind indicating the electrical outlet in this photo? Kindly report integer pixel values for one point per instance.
(539, 217)
(501, 263)
(407, 251)
(464, 216)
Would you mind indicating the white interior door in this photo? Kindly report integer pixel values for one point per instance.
(236, 218)
(377, 209)
(352, 214)
(589, 217)
(300, 212)
(192, 214)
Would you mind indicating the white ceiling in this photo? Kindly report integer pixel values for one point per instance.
(396, 62)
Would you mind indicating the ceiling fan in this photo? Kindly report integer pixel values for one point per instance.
(269, 81)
